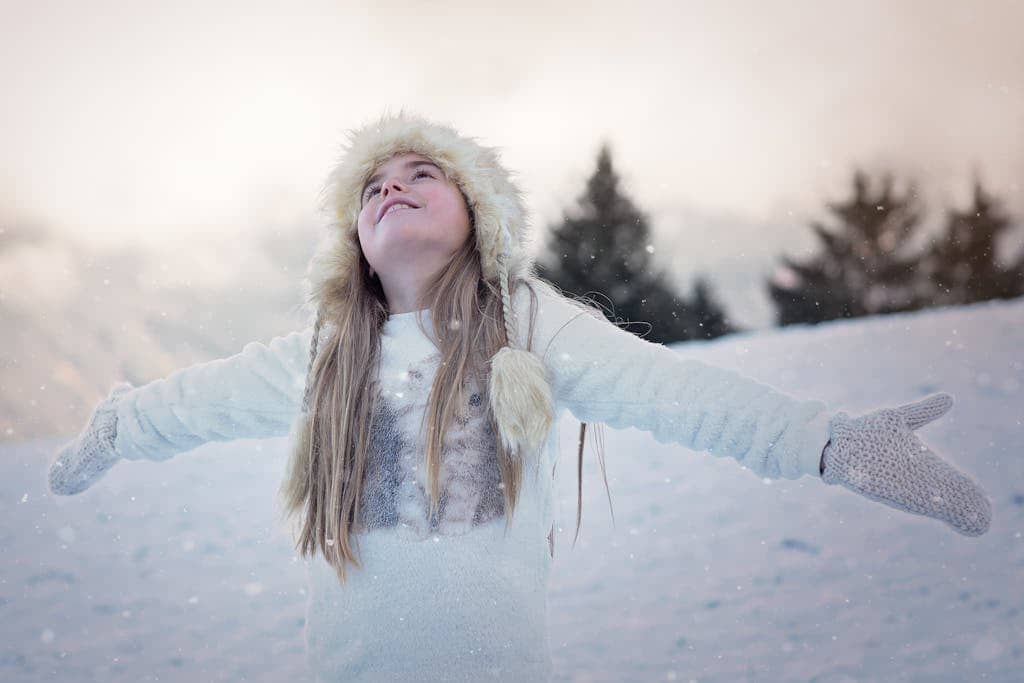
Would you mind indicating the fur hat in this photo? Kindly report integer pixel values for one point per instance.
(520, 395)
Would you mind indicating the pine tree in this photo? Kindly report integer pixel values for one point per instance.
(605, 249)
(709, 316)
(963, 264)
(860, 269)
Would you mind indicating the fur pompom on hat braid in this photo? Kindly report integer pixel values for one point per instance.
(520, 394)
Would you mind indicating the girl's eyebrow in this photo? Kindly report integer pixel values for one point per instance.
(409, 164)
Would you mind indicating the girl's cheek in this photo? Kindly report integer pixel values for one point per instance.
(365, 220)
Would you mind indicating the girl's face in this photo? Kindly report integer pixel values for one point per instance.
(428, 225)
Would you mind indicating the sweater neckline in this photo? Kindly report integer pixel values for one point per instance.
(397, 323)
(407, 314)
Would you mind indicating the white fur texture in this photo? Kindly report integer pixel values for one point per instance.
(521, 399)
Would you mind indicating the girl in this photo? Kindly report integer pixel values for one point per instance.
(423, 405)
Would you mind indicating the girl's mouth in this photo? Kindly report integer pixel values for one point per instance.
(395, 207)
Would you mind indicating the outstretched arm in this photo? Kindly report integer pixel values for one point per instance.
(601, 373)
(255, 393)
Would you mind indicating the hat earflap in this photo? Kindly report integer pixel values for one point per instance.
(520, 394)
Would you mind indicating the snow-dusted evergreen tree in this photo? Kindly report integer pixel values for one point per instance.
(862, 268)
(605, 251)
(963, 263)
(707, 313)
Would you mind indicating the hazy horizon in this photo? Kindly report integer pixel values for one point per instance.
(732, 124)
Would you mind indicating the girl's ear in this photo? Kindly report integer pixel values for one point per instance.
(372, 273)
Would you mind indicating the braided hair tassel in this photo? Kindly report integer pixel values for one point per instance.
(520, 394)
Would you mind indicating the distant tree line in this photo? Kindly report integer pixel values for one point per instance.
(864, 265)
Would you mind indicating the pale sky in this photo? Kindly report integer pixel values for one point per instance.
(731, 122)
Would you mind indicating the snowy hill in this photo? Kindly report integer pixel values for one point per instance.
(176, 571)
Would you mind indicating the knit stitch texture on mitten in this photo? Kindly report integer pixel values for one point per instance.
(83, 461)
(878, 456)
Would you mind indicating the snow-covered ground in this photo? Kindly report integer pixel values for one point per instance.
(177, 571)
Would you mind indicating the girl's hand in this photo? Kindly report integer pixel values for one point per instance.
(878, 456)
(86, 459)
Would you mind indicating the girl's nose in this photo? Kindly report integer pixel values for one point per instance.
(391, 185)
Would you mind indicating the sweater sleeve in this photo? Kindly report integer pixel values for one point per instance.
(256, 393)
(602, 373)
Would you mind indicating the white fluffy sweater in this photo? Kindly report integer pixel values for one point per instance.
(454, 597)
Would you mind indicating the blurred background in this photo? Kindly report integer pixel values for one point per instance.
(697, 168)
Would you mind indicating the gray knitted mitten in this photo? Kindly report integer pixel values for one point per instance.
(83, 461)
(878, 456)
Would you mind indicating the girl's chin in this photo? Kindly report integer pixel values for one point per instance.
(406, 254)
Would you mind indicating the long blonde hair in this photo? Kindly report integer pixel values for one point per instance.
(326, 478)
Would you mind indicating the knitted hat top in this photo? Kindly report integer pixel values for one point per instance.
(520, 394)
